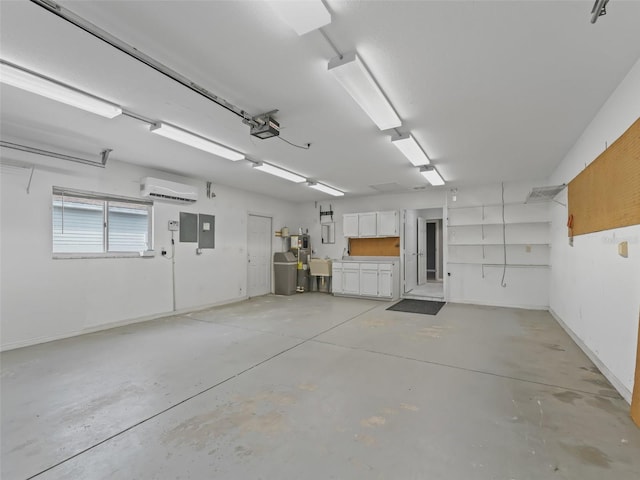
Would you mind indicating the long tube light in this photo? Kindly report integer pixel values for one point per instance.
(411, 149)
(279, 172)
(326, 189)
(196, 141)
(432, 175)
(302, 16)
(356, 79)
(33, 82)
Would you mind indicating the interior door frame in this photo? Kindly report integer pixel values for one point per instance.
(422, 255)
(269, 262)
(436, 222)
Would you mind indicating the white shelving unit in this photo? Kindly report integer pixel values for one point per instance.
(475, 236)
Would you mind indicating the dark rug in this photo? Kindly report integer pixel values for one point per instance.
(427, 307)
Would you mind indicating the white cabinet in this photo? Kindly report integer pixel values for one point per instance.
(351, 278)
(336, 280)
(371, 224)
(385, 281)
(369, 279)
(387, 224)
(350, 224)
(367, 224)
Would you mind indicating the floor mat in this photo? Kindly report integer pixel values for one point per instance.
(417, 306)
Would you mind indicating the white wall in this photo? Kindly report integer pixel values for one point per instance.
(44, 298)
(594, 292)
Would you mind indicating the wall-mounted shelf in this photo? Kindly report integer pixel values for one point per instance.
(523, 244)
(497, 223)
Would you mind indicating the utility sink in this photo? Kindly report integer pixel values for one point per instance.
(320, 267)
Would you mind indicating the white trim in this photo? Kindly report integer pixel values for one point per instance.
(144, 254)
(119, 323)
(617, 384)
(494, 304)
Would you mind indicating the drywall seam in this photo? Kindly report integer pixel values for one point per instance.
(119, 323)
(617, 384)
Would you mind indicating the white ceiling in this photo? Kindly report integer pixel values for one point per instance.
(491, 90)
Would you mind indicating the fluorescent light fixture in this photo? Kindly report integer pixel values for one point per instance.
(302, 15)
(279, 172)
(354, 76)
(196, 141)
(410, 149)
(39, 84)
(432, 176)
(326, 189)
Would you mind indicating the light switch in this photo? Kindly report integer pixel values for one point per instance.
(623, 249)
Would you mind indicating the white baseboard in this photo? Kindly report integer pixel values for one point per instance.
(119, 323)
(617, 384)
(493, 304)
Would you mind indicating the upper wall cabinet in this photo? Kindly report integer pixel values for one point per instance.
(387, 224)
(350, 225)
(367, 224)
(371, 224)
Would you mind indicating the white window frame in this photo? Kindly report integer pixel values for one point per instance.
(72, 193)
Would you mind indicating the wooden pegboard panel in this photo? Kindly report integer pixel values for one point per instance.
(375, 247)
(606, 194)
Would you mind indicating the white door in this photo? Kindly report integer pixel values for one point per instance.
(336, 281)
(369, 279)
(387, 224)
(350, 225)
(367, 224)
(259, 255)
(410, 251)
(422, 251)
(351, 278)
(385, 287)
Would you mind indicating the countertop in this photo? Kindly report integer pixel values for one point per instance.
(367, 259)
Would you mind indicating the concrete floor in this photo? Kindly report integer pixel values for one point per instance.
(316, 387)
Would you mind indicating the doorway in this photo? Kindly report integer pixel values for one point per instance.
(422, 254)
(258, 255)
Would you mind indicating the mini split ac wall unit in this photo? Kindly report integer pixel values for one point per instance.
(165, 190)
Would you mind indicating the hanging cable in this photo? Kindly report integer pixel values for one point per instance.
(306, 146)
(504, 242)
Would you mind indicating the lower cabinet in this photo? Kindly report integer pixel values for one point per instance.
(351, 278)
(365, 279)
(336, 277)
(369, 279)
(385, 281)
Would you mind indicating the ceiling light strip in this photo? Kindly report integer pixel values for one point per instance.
(196, 141)
(19, 77)
(432, 175)
(279, 172)
(326, 189)
(356, 79)
(48, 153)
(410, 149)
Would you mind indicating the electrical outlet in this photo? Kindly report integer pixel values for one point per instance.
(163, 252)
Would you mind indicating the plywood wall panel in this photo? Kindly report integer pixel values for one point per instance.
(606, 194)
(375, 247)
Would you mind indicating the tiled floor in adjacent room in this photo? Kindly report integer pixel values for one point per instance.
(316, 387)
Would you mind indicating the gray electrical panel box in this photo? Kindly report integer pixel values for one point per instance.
(206, 231)
(188, 227)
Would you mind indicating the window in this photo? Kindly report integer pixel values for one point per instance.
(100, 225)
